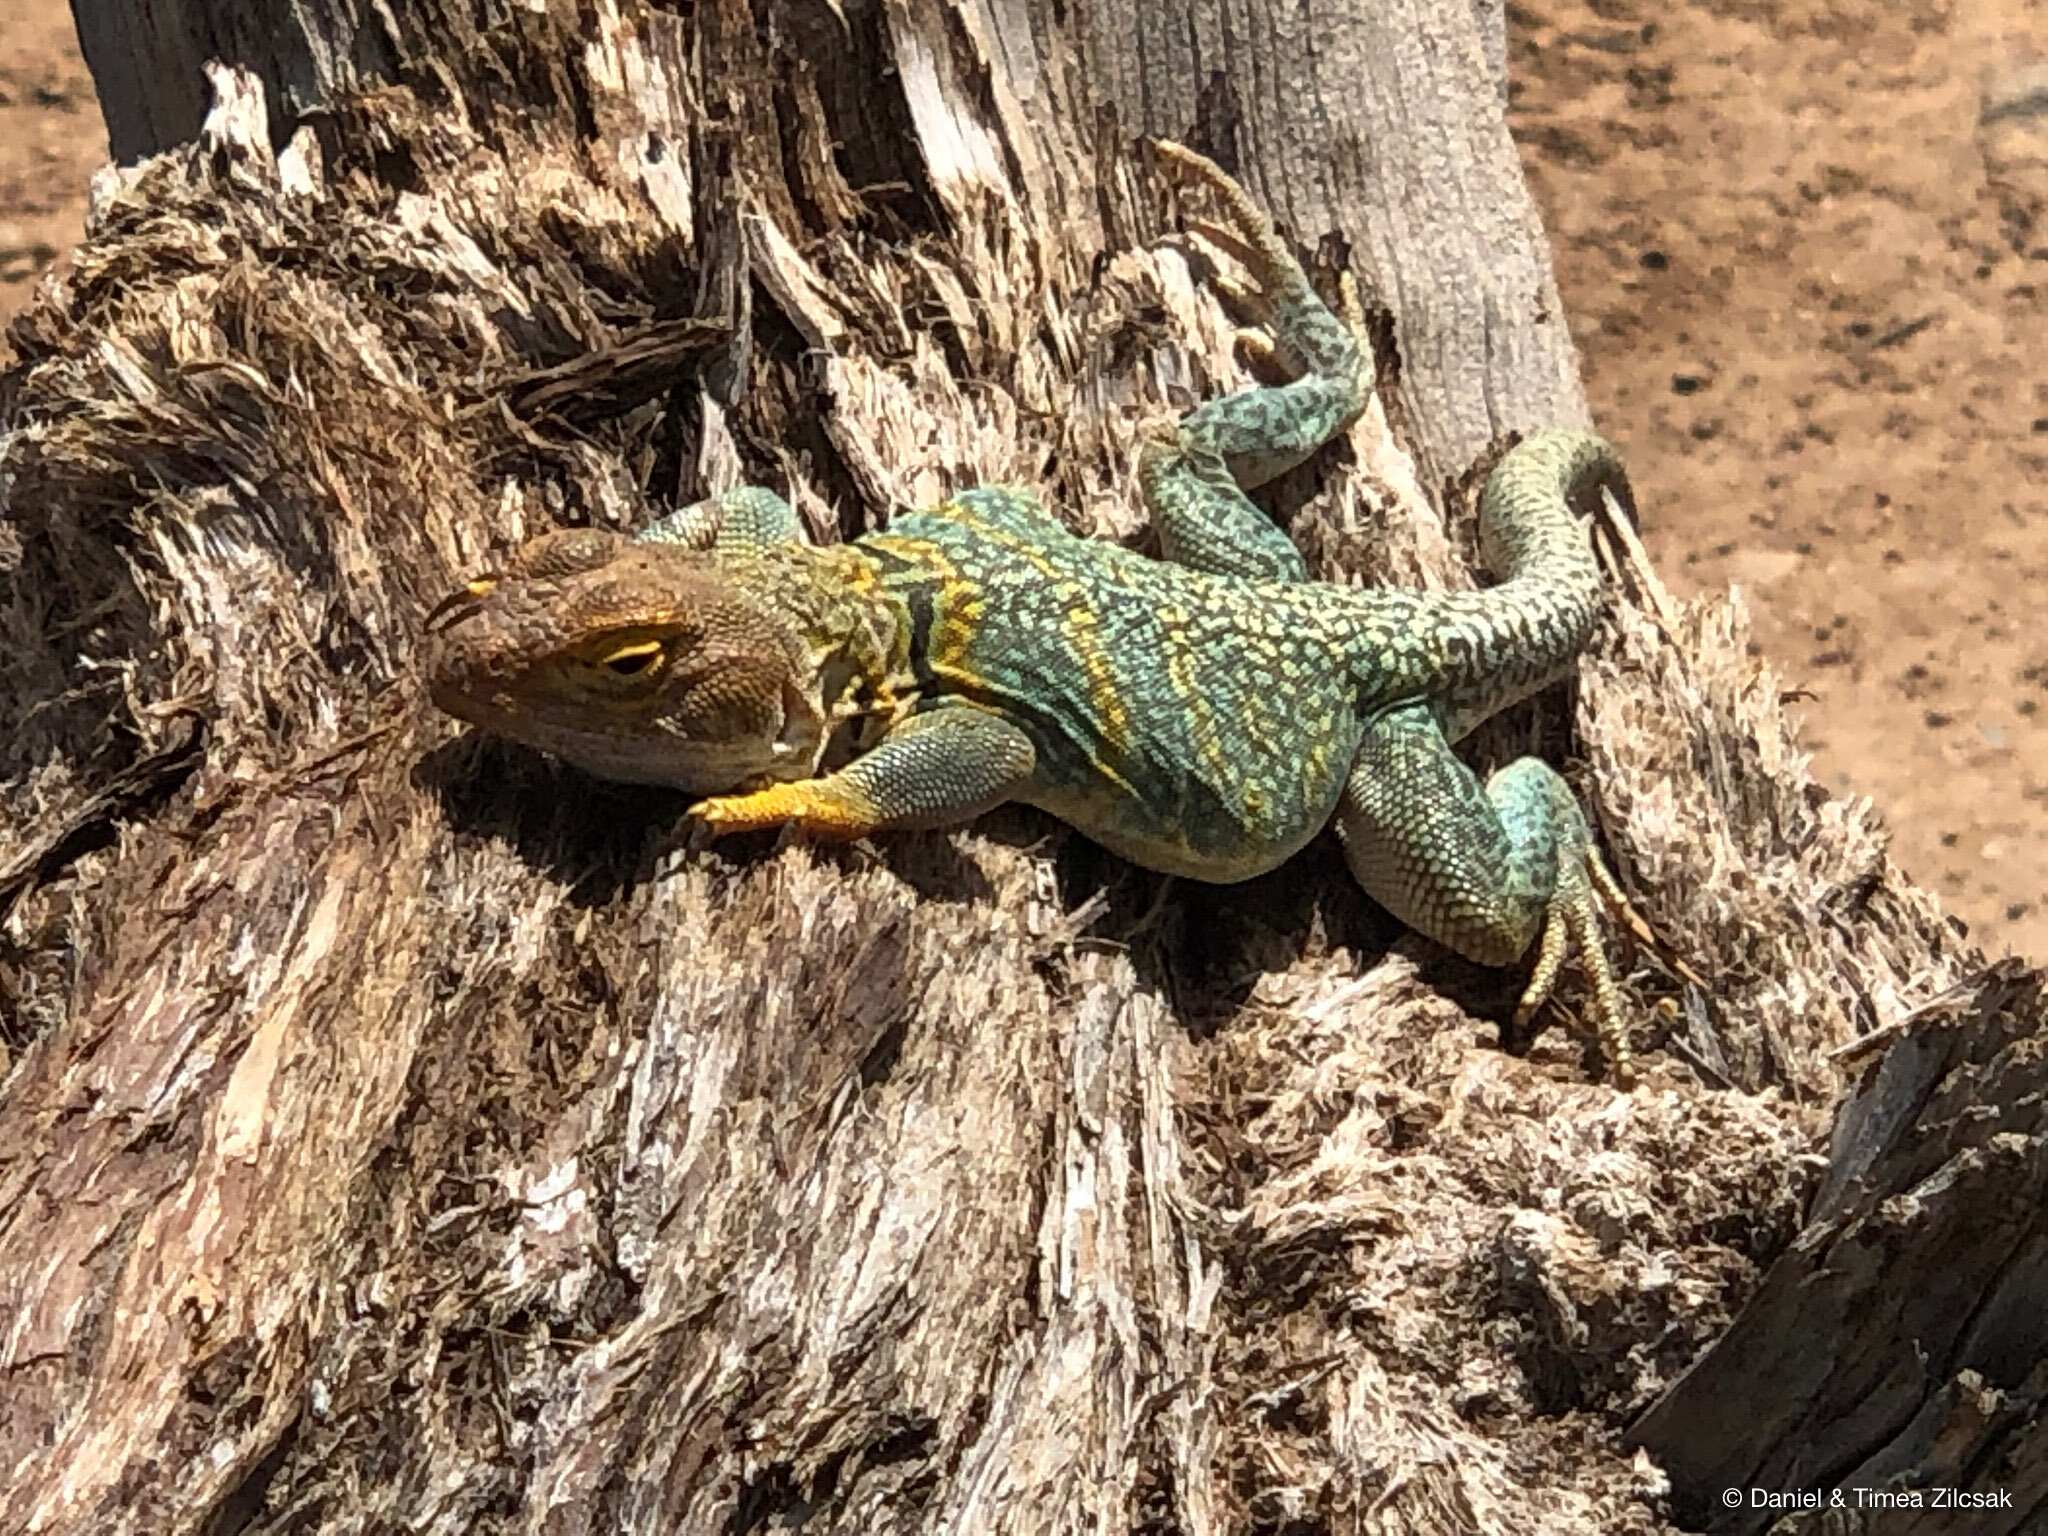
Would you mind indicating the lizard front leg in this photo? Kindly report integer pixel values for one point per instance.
(1489, 871)
(936, 769)
(746, 517)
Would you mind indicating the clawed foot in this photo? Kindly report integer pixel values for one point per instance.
(800, 804)
(1317, 371)
(1574, 920)
(1249, 238)
(1250, 241)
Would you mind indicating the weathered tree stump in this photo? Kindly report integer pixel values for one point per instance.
(406, 1133)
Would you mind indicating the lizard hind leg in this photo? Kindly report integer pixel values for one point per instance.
(1204, 521)
(1263, 433)
(1487, 870)
(1193, 476)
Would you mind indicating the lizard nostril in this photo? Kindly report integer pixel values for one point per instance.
(459, 604)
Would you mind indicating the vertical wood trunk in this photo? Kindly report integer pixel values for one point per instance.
(408, 1134)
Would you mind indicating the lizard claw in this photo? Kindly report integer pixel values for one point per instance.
(1573, 920)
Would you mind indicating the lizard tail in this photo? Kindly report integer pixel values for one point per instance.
(1495, 647)
(1527, 521)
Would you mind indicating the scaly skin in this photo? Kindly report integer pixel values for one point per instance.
(1205, 715)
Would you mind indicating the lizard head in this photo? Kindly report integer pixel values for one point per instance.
(643, 663)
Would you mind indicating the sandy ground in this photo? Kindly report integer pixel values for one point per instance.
(1799, 271)
(51, 141)
(1795, 243)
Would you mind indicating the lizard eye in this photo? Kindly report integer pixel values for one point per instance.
(632, 660)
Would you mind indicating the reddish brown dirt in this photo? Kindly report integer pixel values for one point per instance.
(1798, 270)
(51, 141)
(1800, 273)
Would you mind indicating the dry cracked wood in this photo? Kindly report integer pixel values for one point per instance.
(410, 1135)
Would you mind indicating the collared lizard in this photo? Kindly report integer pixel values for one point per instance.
(1205, 715)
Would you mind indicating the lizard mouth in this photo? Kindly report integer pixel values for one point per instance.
(637, 663)
(705, 721)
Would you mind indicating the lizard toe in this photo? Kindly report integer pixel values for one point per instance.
(1573, 921)
(780, 805)
(1583, 919)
